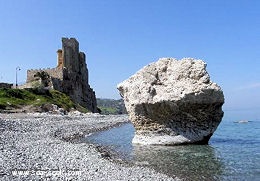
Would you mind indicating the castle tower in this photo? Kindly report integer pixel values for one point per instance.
(70, 54)
(59, 59)
(75, 75)
(71, 75)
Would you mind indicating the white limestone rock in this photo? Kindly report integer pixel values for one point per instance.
(173, 102)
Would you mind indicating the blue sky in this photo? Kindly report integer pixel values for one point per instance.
(120, 37)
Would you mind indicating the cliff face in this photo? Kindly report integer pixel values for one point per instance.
(70, 76)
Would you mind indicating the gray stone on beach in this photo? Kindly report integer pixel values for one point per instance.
(41, 146)
(173, 102)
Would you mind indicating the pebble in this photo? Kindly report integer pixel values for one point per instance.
(44, 147)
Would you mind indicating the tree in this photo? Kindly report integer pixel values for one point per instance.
(44, 78)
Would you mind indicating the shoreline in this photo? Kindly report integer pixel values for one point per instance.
(45, 146)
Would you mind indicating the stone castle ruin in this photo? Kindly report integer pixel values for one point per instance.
(70, 76)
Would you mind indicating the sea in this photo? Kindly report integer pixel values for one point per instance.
(233, 152)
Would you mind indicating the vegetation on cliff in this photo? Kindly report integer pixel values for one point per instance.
(111, 106)
(36, 99)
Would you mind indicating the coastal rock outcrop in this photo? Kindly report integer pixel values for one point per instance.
(70, 76)
(173, 102)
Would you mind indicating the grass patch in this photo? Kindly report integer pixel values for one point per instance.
(17, 98)
(14, 98)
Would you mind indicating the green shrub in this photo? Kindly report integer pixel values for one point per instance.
(15, 98)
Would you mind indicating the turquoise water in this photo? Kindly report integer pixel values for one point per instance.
(233, 152)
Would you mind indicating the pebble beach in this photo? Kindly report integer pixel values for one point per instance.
(44, 146)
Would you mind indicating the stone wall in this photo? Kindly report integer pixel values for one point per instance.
(59, 58)
(53, 72)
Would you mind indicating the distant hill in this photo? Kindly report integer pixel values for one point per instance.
(111, 106)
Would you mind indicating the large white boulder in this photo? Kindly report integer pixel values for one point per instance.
(173, 102)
